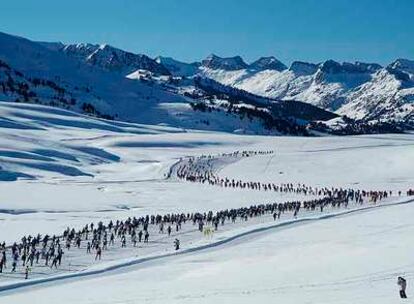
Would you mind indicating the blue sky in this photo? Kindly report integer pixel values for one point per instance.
(308, 30)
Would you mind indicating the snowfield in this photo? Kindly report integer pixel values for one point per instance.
(60, 169)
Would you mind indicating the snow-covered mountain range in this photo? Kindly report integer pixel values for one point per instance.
(223, 94)
(358, 90)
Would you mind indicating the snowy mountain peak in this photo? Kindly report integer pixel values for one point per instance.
(268, 63)
(403, 65)
(220, 63)
(367, 67)
(333, 67)
(303, 68)
(114, 59)
(104, 46)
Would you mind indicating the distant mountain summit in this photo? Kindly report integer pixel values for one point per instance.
(303, 68)
(268, 63)
(403, 65)
(227, 64)
(114, 59)
(333, 67)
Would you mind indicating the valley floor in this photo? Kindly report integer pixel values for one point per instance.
(74, 170)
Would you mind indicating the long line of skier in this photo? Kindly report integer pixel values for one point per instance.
(201, 169)
(95, 239)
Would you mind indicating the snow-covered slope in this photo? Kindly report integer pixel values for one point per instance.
(45, 73)
(109, 93)
(325, 85)
(387, 96)
(74, 169)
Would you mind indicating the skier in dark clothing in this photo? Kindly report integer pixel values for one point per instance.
(177, 244)
(54, 262)
(403, 285)
(4, 258)
(59, 256)
(98, 253)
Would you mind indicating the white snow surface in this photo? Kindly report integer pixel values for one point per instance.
(60, 169)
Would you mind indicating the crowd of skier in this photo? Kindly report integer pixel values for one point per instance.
(95, 239)
(201, 170)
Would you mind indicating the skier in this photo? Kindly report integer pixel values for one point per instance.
(146, 237)
(24, 257)
(4, 256)
(14, 266)
(54, 262)
(26, 272)
(403, 285)
(98, 253)
(177, 244)
(47, 256)
(59, 256)
(37, 256)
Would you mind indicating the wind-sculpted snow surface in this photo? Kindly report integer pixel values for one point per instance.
(27, 150)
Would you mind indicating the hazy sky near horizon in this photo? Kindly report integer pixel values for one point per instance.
(189, 30)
